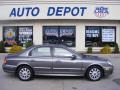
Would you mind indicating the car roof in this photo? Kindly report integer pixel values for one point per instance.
(49, 45)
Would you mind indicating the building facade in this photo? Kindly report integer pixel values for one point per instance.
(77, 24)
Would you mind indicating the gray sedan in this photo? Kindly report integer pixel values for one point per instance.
(56, 60)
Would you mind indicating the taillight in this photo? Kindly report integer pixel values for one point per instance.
(5, 61)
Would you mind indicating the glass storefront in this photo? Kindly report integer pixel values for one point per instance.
(98, 36)
(64, 35)
(95, 36)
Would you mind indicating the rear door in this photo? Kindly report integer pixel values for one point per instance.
(41, 60)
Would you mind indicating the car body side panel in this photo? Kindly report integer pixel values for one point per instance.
(67, 65)
(41, 64)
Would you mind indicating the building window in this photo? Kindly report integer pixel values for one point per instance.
(108, 35)
(98, 36)
(17, 35)
(64, 35)
(92, 36)
(25, 34)
(10, 35)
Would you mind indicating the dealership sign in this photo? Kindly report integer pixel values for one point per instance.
(52, 11)
(26, 11)
(59, 11)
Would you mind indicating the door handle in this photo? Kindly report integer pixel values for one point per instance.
(32, 60)
(58, 61)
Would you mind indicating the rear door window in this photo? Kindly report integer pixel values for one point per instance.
(41, 51)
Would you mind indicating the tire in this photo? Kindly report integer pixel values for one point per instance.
(94, 73)
(25, 73)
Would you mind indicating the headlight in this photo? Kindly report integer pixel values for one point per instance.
(109, 62)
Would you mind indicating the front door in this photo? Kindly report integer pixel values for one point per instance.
(65, 63)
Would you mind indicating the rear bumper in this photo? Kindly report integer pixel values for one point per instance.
(9, 68)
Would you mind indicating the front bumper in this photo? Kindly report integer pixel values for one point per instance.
(108, 70)
(9, 68)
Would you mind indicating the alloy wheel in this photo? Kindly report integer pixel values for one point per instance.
(25, 73)
(94, 73)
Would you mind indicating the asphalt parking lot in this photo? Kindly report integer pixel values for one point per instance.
(10, 82)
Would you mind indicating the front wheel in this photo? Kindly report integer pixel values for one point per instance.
(24, 73)
(94, 73)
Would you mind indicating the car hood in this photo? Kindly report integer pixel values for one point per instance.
(96, 58)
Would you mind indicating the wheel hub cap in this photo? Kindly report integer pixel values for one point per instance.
(24, 73)
(95, 74)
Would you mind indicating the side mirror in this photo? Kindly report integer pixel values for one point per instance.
(73, 57)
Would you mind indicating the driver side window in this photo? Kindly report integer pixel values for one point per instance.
(62, 52)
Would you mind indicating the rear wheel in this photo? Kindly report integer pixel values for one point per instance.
(94, 73)
(25, 73)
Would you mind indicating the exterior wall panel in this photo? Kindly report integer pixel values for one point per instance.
(89, 18)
